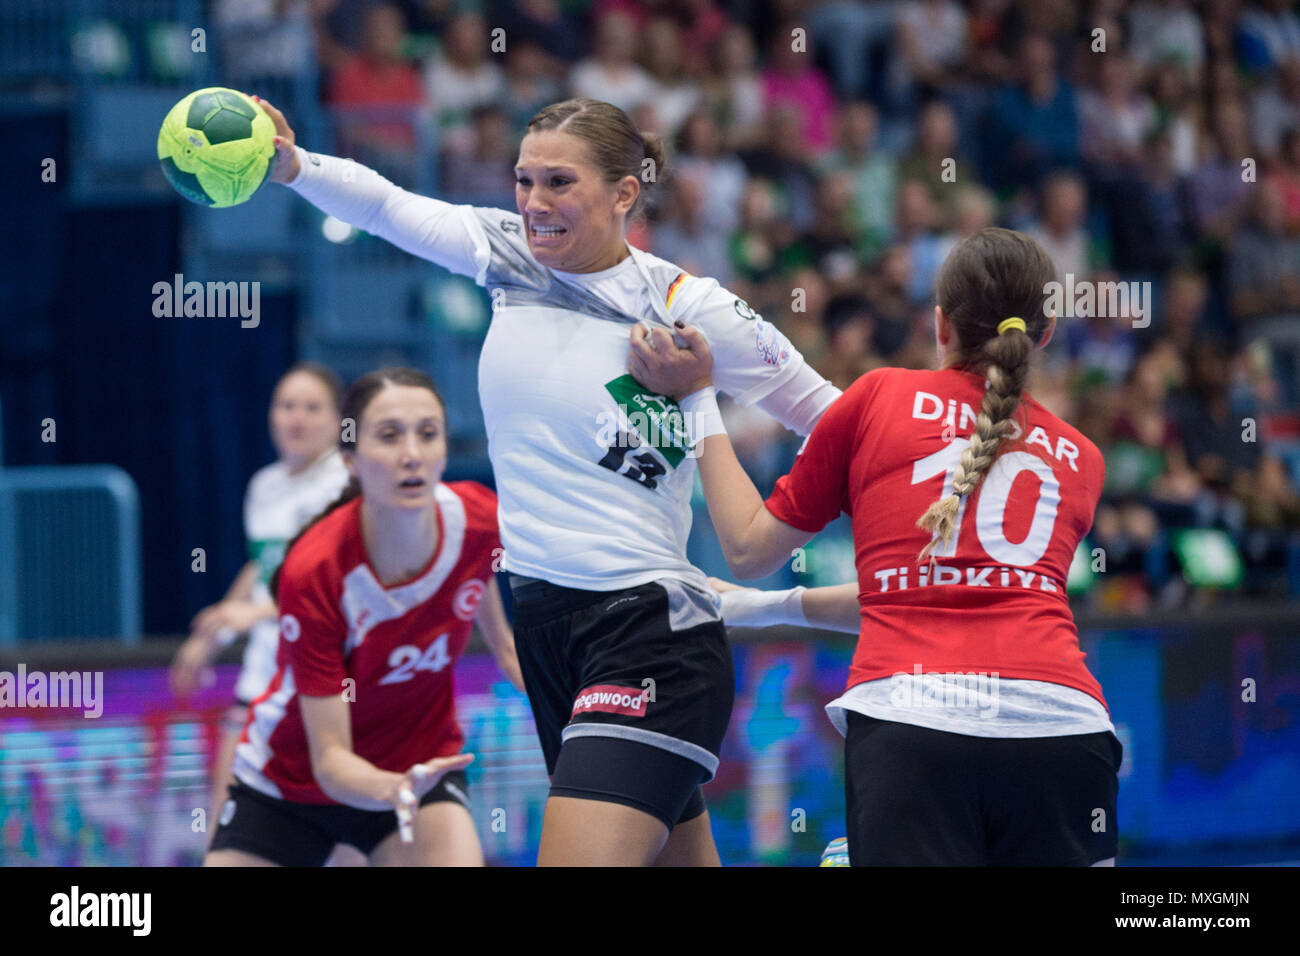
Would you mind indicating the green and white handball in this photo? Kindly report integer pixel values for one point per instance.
(217, 147)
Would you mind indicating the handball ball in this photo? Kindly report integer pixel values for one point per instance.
(836, 853)
(217, 147)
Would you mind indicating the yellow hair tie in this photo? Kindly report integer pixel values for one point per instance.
(1015, 322)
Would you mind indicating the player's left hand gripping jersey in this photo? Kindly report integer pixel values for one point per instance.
(593, 471)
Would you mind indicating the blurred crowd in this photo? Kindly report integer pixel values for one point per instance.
(825, 157)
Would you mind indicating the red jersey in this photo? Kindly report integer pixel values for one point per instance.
(395, 644)
(995, 599)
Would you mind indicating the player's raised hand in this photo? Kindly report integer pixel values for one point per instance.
(658, 363)
(286, 160)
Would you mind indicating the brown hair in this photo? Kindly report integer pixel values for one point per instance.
(615, 146)
(324, 374)
(355, 402)
(989, 276)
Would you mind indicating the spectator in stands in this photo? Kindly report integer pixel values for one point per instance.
(684, 236)
(918, 222)
(1274, 109)
(1115, 119)
(1216, 188)
(261, 39)
(1035, 124)
(1285, 178)
(612, 73)
(1101, 346)
(531, 82)
(1147, 457)
(1059, 228)
(830, 245)
(1177, 115)
(755, 243)
(784, 160)
(791, 80)
(850, 329)
(849, 33)
(673, 92)
(1183, 318)
(931, 37)
(800, 309)
(1214, 438)
(1166, 30)
(557, 32)
(700, 153)
(702, 25)
(1268, 34)
(935, 161)
(485, 175)
(973, 209)
(1149, 216)
(734, 91)
(874, 174)
(988, 33)
(379, 75)
(1264, 262)
(887, 290)
(460, 77)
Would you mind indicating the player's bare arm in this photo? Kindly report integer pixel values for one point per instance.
(753, 541)
(498, 634)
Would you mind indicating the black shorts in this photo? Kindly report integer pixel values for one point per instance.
(631, 691)
(922, 797)
(304, 834)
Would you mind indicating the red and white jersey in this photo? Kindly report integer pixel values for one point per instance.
(995, 600)
(387, 650)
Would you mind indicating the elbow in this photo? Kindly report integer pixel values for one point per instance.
(747, 565)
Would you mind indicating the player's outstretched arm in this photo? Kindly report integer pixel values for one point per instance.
(342, 774)
(355, 194)
(754, 542)
(832, 608)
(498, 634)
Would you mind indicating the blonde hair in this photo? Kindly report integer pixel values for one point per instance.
(988, 277)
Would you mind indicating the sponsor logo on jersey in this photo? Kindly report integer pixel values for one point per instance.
(770, 344)
(468, 597)
(289, 627)
(509, 225)
(656, 419)
(611, 699)
(744, 311)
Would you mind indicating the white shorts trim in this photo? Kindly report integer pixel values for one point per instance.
(682, 748)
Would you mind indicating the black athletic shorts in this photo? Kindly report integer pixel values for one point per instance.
(922, 797)
(631, 691)
(304, 834)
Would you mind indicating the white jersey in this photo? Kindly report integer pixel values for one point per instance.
(277, 506)
(594, 474)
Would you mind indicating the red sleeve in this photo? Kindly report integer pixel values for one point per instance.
(817, 488)
(480, 512)
(312, 632)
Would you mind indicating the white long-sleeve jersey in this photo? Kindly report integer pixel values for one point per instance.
(594, 474)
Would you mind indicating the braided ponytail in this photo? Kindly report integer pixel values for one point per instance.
(989, 276)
